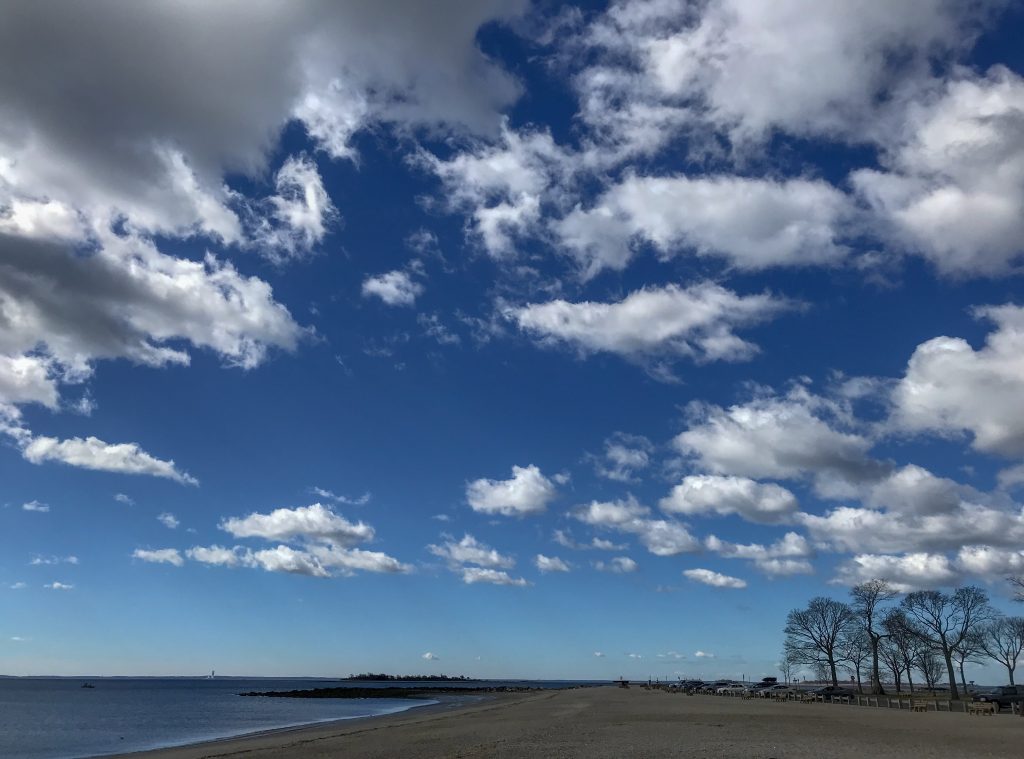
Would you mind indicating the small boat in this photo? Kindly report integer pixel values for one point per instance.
(88, 685)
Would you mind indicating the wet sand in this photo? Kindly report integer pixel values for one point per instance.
(612, 722)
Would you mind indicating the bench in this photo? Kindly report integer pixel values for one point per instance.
(918, 706)
(977, 707)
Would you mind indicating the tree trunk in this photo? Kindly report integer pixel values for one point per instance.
(876, 680)
(835, 677)
(910, 681)
(1010, 672)
(963, 680)
(897, 679)
(954, 694)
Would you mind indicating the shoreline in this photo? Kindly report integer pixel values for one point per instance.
(443, 704)
(612, 722)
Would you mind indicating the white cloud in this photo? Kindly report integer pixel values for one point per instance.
(715, 494)
(660, 537)
(159, 556)
(429, 656)
(50, 560)
(905, 573)
(283, 558)
(349, 560)
(471, 575)
(361, 500)
(35, 506)
(719, 63)
(18, 585)
(624, 456)
(954, 189)
(220, 556)
(300, 212)
(168, 520)
(599, 655)
(28, 379)
(668, 322)
(703, 655)
(751, 223)
(617, 565)
(395, 288)
(606, 545)
(784, 567)
(59, 586)
(791, 546)
(528, 492)
(315, 522)
(784, 437)
(550, 563)
(985, 561)
(470, 551)
(714, 579)
(949, 387)
(93, 453)
(122, 498)
(502, 186)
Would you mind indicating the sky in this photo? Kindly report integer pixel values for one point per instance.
(506, 339)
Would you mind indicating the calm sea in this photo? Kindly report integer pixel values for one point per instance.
(44, 718)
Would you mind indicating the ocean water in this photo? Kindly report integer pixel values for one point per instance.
(58, 719)
(55, 718)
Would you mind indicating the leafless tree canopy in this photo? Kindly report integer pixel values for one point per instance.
(946, 621)
(1003, 640)
(868, 600)
(813, 634)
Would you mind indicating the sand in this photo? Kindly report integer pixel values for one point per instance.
(613, 722)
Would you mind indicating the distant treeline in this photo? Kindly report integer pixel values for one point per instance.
(375, 677)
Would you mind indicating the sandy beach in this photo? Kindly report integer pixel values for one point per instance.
(612, 722)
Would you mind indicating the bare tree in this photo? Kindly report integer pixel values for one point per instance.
(891, 657)
(868, 598)
(855, 651)
(930, 663)
(1003, 640)
(1018, 583)
(904, 639)
(968, 650)
(945, 621)
(813, 634)
(787, 666)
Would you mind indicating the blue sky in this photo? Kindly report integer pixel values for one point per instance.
(500, 338)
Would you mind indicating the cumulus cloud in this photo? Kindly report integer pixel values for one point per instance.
(471, 551)
(473, 575)
(714, 579)
(715, 494)
(617, 565)
(528, 492)
(361, 500)
(794, 436)
(624, 456)
(905, 573)
(51, 560)
(219, 555)
(315, 522)
(785, 557)
(599, 655)
(300, 213)
(951, 388)
(704, 655)
(35, 506)
(750, 223)
(59, 586)
(93, 453)
(953, 188)
(125, 499)
(429, 656)
(168, 520)
(696, 322)
(159, 556)
(395, 288)
(550, 564)
(660, 537)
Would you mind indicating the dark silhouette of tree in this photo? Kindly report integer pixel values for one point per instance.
(813, 634)
(1003, 640)
(969, 650)
(945, 621)
(903, 640)
(890, 656)
(868, 598)
(931, 666)
(1018, 583)
(855, 652)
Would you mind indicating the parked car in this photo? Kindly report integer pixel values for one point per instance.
(1003, 696)
(777, 689)
(731, 689)
(832, 691)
